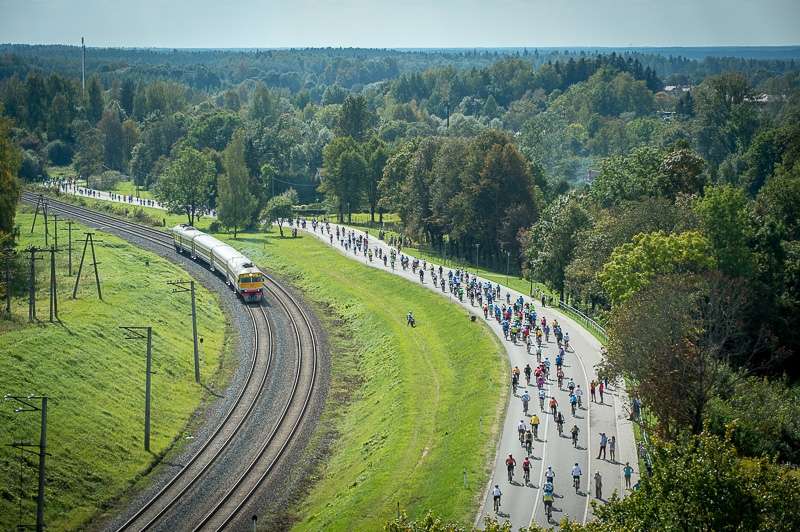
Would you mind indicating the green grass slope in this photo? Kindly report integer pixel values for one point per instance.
(413, 408)
(95, 379)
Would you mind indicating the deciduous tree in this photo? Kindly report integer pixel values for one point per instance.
(185, 185)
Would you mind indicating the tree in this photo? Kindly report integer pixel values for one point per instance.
(355, 119)
(633, 265)
(724, 211)
(114, 143)
(700, 483)
(551, 242)
(344, 171)
(126, 96)
(681, 341)
(90, 153)
(262, 106)
(10, 160)
(236, 203)
(59, 118)
(184, 186)
(94, 110)
(279, 208)
(377, 155)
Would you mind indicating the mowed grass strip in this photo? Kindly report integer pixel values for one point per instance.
(95, 378)
(425, 405)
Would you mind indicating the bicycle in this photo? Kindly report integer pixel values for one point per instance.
(548, 510)
(577, 482)
(574, 439)
(529, 448)
(527, 476)
(496, 504)
(510, 474)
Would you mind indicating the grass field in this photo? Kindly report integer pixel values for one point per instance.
(129, 188)
(95, 379)
(413, 408)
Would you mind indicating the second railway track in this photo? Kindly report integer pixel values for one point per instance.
(226, 507)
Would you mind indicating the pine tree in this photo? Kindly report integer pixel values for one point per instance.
(95, 108)
(236, 203)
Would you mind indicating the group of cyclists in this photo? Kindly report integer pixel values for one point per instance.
(520, 324)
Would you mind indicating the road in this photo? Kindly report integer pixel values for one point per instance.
(521, 505)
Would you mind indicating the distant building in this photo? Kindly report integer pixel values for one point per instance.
(677, 89)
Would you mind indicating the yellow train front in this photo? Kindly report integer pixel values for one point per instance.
(251, 285)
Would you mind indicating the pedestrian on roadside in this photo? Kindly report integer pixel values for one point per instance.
(602, 389)
(592, 389)
(612, 447)
(598, 485)
(603, 443)
(627, 472)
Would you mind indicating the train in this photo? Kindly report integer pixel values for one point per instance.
(238, 271)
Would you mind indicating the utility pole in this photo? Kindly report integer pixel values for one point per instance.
(8, 256)
(180, 286)
(83, 68)
(46, 225)
(28, 406)
(53, 287)
(69, 246)
(135, 333)
(55, 229)
(32, 283)
(88, 241)
(40, 205)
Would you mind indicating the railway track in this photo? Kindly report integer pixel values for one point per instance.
(226, 507)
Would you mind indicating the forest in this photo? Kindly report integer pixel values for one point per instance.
(657, 192)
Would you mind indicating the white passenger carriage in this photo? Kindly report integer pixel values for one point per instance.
(238, 271)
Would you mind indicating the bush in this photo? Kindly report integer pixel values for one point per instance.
(60, 153)
(109, 180)
(32, 168)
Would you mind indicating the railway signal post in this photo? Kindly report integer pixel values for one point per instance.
(135, 333)
(180, 286)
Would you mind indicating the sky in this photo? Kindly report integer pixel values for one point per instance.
(400, 23)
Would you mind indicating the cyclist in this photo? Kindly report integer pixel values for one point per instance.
(510, 465)
(496, 494)
(514, 382)
(529, 442)
(571, 385)
(576, 476)
(560, 423)
(526, 470)
(547, 498)
(560, 375)
(521, 432)
(566, 341)
(579, 395)
(554, 406)
(535, 425)
(525, 399)
(528, 370)
(573, 400)
(549, 475)
(575, 431)
(541, 399)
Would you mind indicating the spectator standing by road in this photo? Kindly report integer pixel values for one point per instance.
(602, 388)
(627, 472)
(603, 443)
(612, 447)
(598, 485)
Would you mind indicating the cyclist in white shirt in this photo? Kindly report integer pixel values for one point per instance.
(576, 476)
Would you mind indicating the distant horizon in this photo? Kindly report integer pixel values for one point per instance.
(421, 48)
(413, 24)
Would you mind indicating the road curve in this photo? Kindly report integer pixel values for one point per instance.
(521, 505)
